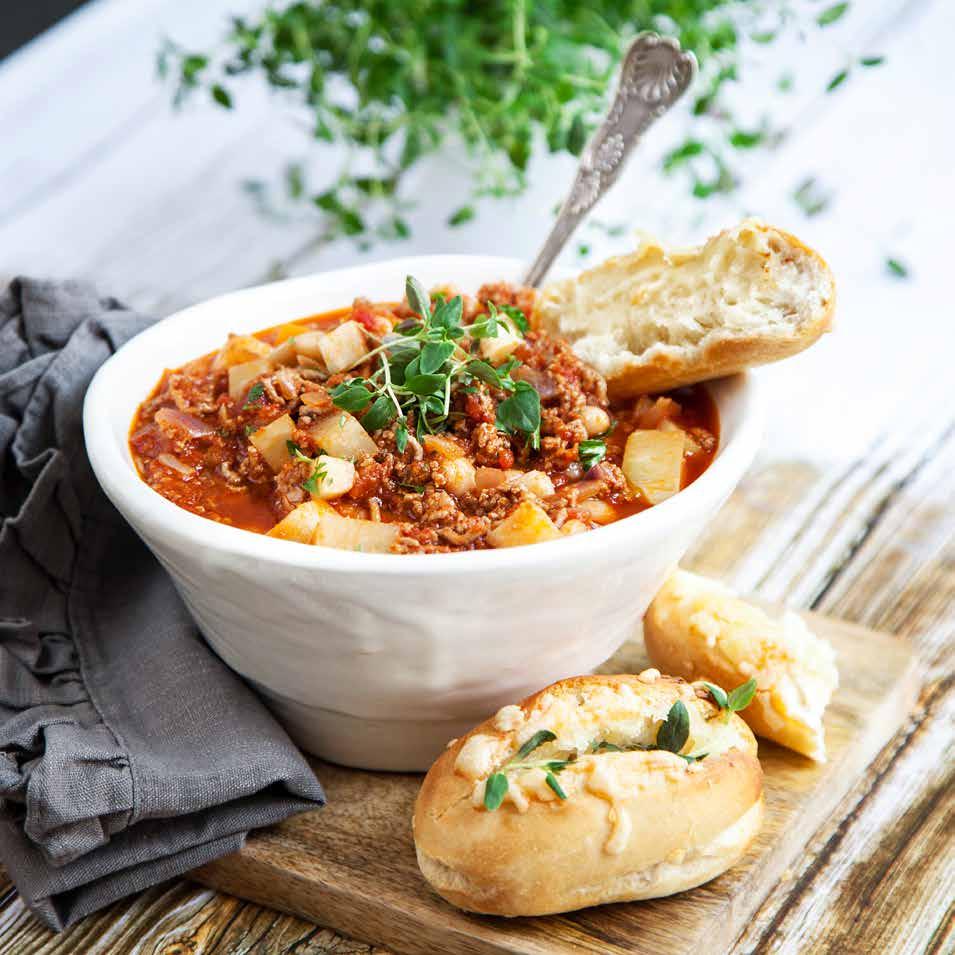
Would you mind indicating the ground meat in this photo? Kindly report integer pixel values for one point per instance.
(289, 491)
(194, 395)
(491, 448)
(217, 472)
(503, 293)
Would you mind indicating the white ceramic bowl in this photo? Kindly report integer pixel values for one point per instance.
(377, 660)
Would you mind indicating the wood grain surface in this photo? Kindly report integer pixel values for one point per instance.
(352, 865)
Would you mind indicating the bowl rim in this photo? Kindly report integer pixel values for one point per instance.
(143, 507)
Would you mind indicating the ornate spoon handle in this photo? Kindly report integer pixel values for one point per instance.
(655, 74)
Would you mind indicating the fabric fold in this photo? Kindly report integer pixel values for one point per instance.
(128, 752)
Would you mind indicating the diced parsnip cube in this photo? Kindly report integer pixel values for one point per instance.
(283, 354)
(537, 482)
(460, 474)
(241, 375)
(239, 349)
(526, 524)
(352, 533)
(501, 347)
(341, 435)
(653, 463)
(308, 344)
(442, 446)
(343, 347)
(299, 525)
(272, 441)
(337, 477)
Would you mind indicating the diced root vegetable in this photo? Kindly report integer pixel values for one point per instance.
(536, 482)
(526, 524)
(442, 446)
(486, 478)
(241, 375)
(240, 349)
(600, 512)
(573, 527)
(595, 420)
(338, 477)
(309, 344)
(272, 441)
(341, 435)
(501, 347)
(460, 474)
(343, 347)
(299, 525)
(283, 354)
(653, 463)
(352, 533)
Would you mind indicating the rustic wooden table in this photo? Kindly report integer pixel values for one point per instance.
(849, 510)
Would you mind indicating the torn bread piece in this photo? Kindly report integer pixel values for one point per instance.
(596, 789)
(700, 630)
(661, 318)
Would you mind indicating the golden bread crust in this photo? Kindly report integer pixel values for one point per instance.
(634, 825)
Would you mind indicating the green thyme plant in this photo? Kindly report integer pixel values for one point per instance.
(394, 82)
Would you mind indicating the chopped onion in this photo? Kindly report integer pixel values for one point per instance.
(542, 381)
(181, 421)
(171, 461)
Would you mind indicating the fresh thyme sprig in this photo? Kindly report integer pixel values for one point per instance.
(496, 786)
(319, 472)
(424, 361)
(735, 700)
(395, 82)
(672, 735)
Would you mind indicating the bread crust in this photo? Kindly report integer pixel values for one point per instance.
(722, 350)
(665, 826)
(701, 631)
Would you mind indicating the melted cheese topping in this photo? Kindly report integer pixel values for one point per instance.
(612, 713)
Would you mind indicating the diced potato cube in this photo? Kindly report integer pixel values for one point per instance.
(299, 525)
(343, 347)
(526, 524)
(283, 354)
(443, 446)
(537, 482)
(239, 349)
(337, 477)
(272, 441)
(501, 347)
(341, 435)
(653, 463)
(352, 533)
(460, 474)
(241, 375)
(309, 344)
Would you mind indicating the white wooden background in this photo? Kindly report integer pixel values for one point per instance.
(100, 179)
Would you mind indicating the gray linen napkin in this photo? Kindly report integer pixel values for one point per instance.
(128, 752)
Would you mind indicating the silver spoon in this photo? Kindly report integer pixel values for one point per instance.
(655, 74)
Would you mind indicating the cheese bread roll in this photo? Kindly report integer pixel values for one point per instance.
(597, 789)
(698, 629)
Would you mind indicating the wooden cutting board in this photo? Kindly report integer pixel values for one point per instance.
(351, 866)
